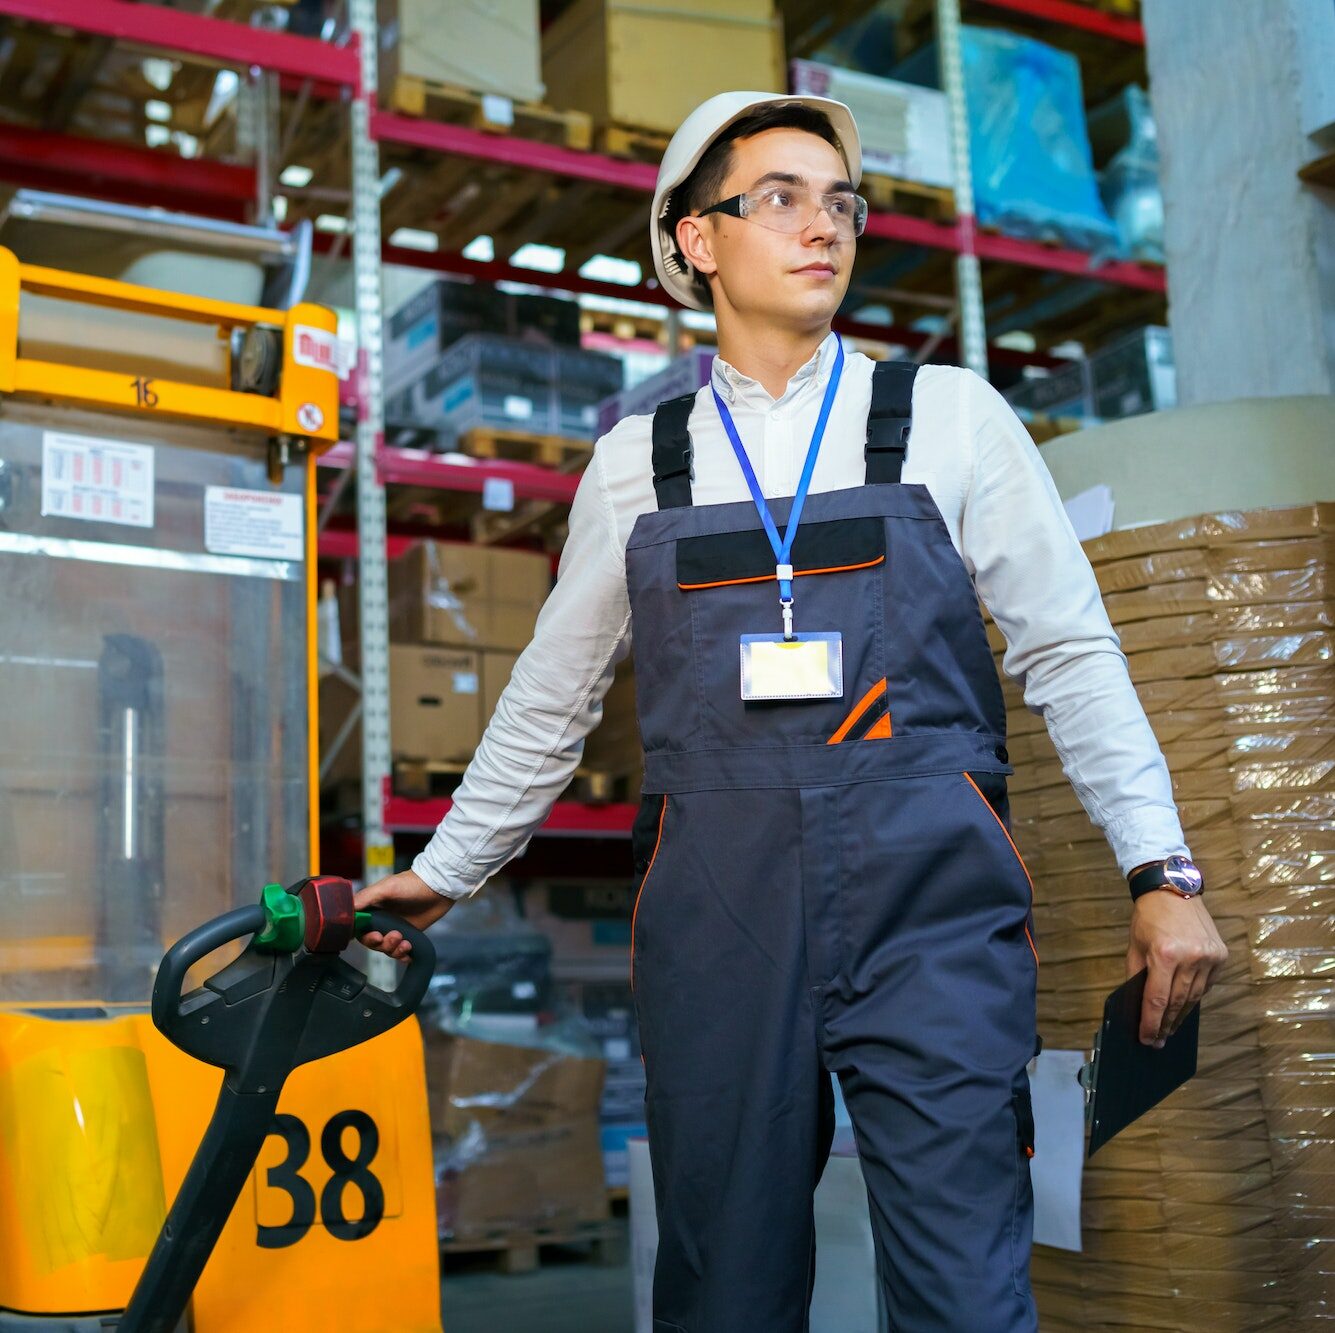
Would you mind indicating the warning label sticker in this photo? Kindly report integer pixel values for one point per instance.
(99, 481)
(260, 523)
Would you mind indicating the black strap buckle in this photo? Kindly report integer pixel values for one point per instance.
(887, 434)
(687, 456)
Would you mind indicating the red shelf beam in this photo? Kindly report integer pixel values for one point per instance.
(81, 165)
(184, 34)
(1010, 250)
(1083, 17)
(342, 544)
(417, 467)
(511, 150)
(77, 164)
(569, 819)
(526, 153)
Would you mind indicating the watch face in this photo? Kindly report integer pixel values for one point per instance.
(1183, 875)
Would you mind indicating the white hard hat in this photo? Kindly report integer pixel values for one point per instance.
(688, 146)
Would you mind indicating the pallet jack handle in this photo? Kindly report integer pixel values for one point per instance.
(288, 999)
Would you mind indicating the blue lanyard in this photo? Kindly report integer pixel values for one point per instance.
(783, 549)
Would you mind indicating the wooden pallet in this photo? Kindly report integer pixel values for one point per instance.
(520, 1251)
(1122, 8)
(413, 96)
(547, 521)
(557, 451)
(425, 779)
(595, 786)
(889, 194)
(629, 142)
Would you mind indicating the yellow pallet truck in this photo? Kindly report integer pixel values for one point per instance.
(157, 765)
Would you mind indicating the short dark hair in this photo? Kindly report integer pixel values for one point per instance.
(702, 186)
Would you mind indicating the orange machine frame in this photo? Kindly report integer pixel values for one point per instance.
(99, 1116)
(305, 406)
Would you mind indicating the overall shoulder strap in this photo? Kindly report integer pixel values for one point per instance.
(889, 419)
(672, 452)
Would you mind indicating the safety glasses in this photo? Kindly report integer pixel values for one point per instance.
(793, 208)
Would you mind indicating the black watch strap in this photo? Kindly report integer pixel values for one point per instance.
(1156, 876)
(1146, 879)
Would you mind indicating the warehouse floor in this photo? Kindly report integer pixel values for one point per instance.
(568, 1293)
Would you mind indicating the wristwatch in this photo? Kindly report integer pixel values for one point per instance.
(1178, 874)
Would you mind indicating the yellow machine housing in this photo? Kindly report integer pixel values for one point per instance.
(157, 767)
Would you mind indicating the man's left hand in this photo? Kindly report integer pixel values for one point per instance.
(1177, 938)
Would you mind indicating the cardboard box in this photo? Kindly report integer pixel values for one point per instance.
(467, 596)
(496, 669)
(486, 48)
(1135, 373)
(650, 63)
(435, 709)
(904, 128)
(516, 1132)
(688, 372)
(435, 703)
(448, 309)
(613, 746)
(487, 381)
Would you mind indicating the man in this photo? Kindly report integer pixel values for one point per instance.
(826, 880)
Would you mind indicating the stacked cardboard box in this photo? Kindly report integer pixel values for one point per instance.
(1134, 373)
(685, 374)
(613, 747)
(1217, 1209)
(467, 596)
(608, 1008)
(491, 48)
(460, 614)
(904, 128)
(444, 311)
(516, 1136)
(648, 65)
(488, 381)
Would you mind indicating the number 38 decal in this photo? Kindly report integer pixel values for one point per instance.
(354, 1171)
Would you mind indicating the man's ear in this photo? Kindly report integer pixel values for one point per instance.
(695, 241)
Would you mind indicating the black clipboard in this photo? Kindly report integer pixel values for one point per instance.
(1126, 1078)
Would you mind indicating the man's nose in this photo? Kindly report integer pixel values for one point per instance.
(821, 227)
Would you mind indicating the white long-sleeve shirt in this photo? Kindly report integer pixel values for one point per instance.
(1005, 519)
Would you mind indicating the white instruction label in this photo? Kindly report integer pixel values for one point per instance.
(267, 524)
(498, 493)
(102, 481)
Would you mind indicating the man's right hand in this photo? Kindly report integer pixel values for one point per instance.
(407, 895)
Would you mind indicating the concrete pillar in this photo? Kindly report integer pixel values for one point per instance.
(1250, 249)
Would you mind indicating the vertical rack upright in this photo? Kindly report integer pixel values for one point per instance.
(373, 585)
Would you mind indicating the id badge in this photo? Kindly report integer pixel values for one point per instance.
(807, 666)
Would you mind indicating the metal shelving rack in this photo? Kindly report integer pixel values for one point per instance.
(319, 70)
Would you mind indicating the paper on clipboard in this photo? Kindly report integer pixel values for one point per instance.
(1057, 1166)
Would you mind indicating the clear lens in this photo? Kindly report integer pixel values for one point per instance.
(793, 209)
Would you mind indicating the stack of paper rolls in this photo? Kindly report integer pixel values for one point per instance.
(1217, 1209)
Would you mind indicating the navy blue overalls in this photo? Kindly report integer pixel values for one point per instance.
(828, 885)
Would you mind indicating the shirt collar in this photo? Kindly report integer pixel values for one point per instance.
(732, 385)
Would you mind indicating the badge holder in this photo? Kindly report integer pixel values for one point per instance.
(804, 666)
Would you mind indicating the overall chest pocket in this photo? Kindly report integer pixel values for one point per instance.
(839, 568)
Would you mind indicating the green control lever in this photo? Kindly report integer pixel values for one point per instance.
(318, 903)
